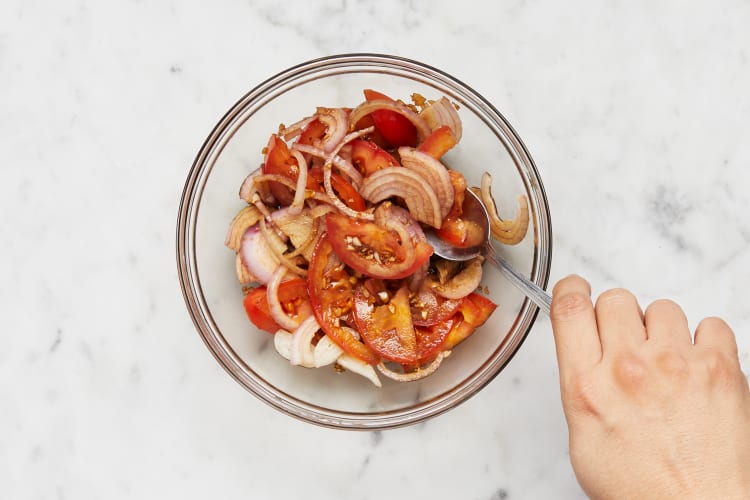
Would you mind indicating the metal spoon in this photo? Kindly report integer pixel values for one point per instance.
(475, 211)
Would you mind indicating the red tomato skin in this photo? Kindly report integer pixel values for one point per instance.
(439, 142)
(332, 295)
(256, 308)
(474, 310)
(387, 328)
(395, 128)
(460, 232)
(279, 161)
(428, 308)
(343, 188)
(368, 157)
(294, 300)
(431, 339)
(313, 133)
(340, 228)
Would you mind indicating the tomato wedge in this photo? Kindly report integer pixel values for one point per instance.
(368, 157)
(472, 313)
(395, 128)
(313, 133)
(279, 161)
(439, 142)
(428, 308)
(331, 290)
(294, 301)
(256, 307)
(343, 188)
(386, 326)
(431, 339)
(460, 232)
(373, 251)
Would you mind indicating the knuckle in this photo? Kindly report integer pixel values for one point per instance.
(718, 368)
(569, 306)
(630, 373)
(615, 297)
(672, 364)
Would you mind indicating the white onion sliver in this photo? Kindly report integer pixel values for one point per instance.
(302, 349)
(282, 341)
(326, 352)
(360, 368)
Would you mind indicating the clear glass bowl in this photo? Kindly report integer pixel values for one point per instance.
(214, 297)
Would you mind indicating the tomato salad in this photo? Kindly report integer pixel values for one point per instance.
(331, 250)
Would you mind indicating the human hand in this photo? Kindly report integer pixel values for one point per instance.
(651, 414)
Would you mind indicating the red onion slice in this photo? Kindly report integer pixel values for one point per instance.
(433, 172)
(419, 197)
(257, 256)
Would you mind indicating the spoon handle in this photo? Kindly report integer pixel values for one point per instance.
(537, 295)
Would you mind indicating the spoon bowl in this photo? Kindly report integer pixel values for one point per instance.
(474, 212)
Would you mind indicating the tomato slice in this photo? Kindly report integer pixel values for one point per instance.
(294, 301)
(395, 128)
(368, 157)
(279, 161)
(256, 307)
(431, 339)
(373, 251)
(472, 313)
(428, 308)
(386, 326)
(439, 142)
(331, 290)
(313, 133)
(460, 232)
(343, 188)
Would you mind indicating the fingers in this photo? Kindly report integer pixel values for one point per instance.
(714, 333)
(666, 323)
(620, 320)
(574, 326)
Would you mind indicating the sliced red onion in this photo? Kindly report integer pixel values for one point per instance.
(367, 107)
(464, 282)
(419, 197)
(279, 249)
(442, 112)
(300, 188)
(295, 129)
(274, 304)
(257, 256)
(415, 375)
(247, 189)
(433, 172)
(248, 216)
(336, 201)
(337, 123)
(344, 166)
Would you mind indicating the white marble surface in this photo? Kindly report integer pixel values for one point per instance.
(637, 114)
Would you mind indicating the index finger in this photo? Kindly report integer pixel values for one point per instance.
(574, 326)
